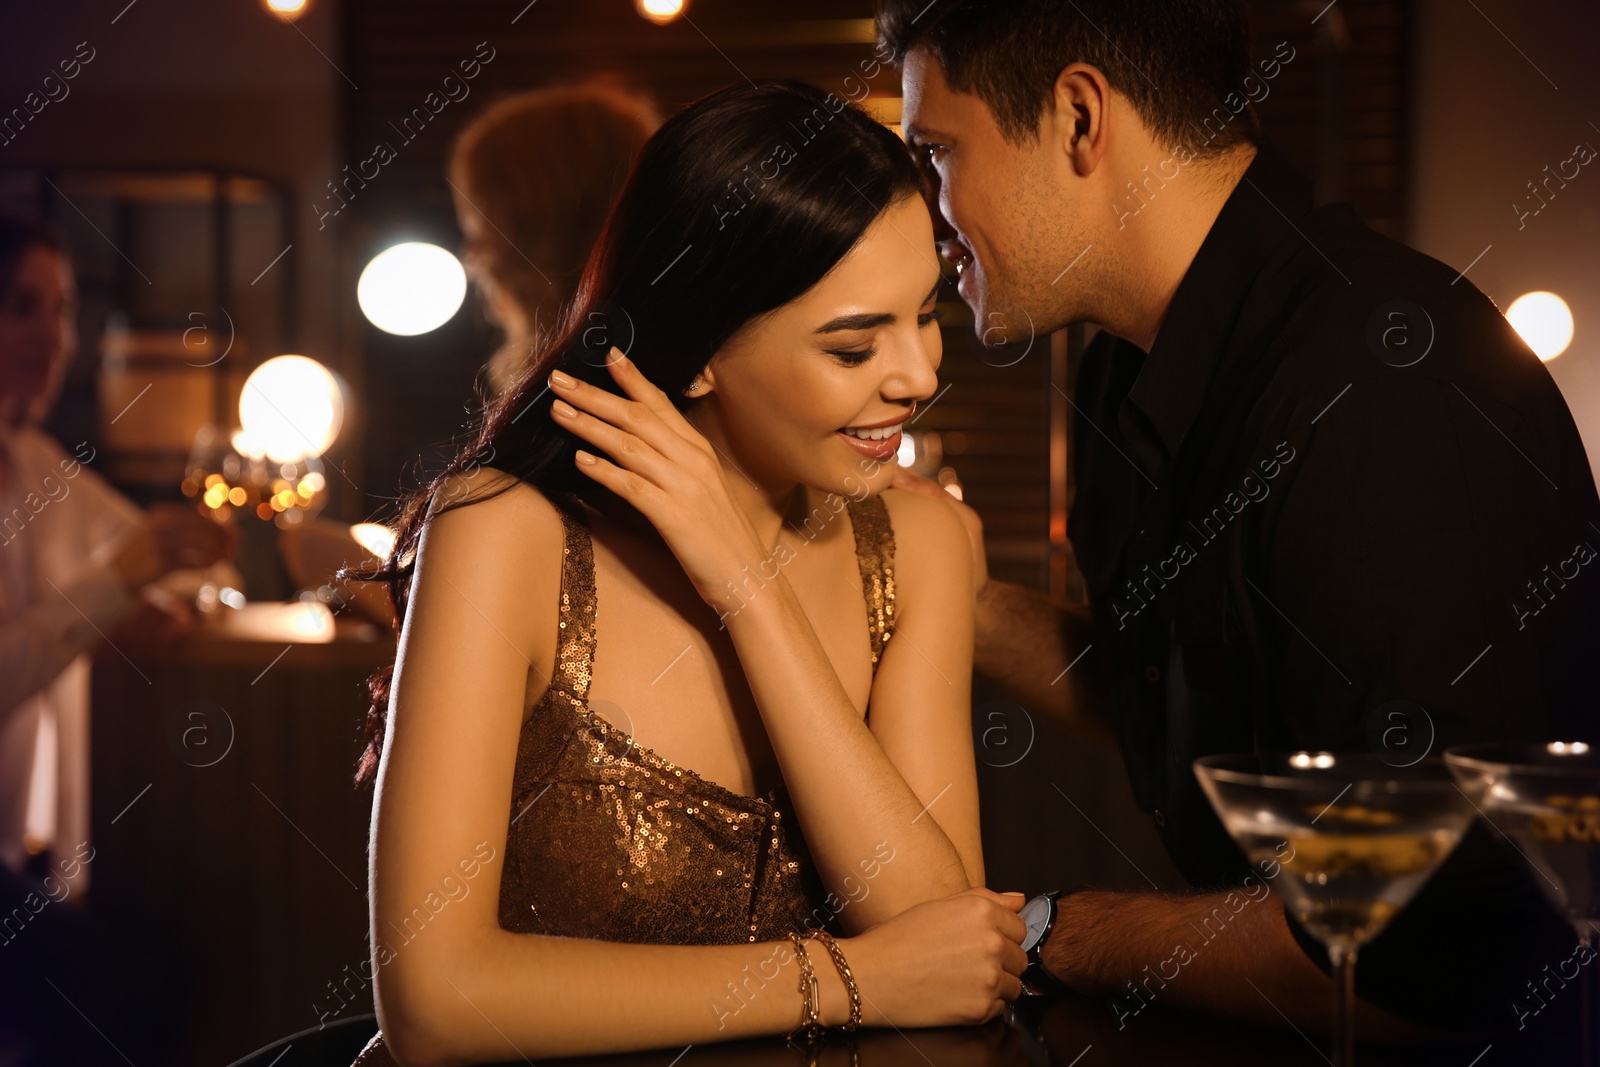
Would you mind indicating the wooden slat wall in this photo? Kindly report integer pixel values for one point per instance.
(1369, 129)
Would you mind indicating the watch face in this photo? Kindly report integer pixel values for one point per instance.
(1036, 913)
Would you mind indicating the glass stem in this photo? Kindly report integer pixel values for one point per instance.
(1343, 957)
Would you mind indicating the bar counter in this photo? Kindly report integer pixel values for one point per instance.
(227, 833)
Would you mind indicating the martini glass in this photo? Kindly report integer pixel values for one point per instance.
(1546, 799)
(1352, 836)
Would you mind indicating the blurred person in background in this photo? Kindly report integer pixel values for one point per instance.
(534, 176)
(77, 563)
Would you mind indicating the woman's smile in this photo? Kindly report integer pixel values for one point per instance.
(879, 440)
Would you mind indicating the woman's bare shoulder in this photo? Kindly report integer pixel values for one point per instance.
(928, 533)
(932, 553)
(497, 508)
(487, 485)
(489, 533)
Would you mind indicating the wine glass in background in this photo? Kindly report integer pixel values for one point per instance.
(270, 468)
(1546, 800)
(1355, 838)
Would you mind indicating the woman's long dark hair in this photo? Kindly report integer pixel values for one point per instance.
(738, 205)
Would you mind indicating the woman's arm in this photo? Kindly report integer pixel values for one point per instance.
(460, 988)
(454, 987)
(922, 696)
(910, 778)
(849, 793)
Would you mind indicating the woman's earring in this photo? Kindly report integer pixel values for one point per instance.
(696, 387)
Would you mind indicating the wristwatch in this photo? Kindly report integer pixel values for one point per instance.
(1040, 915)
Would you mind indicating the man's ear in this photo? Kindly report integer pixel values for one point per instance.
(1078, 119)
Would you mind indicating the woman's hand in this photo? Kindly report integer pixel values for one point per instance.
(666, 469)
(954, 961)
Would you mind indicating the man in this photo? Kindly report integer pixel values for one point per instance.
(76, 557)
(1326, 498)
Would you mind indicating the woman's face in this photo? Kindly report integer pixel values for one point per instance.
(793, 394)
(500, 306)
(38, 324)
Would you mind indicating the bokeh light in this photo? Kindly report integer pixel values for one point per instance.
(376, 538)
(411, 288)
(1544, 321)
(291, 407)
(661, 12)
(286, 10)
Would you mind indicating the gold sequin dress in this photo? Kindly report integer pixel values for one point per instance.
(610, 841)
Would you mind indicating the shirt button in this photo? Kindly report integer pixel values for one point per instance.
(1161, 820)
(1152, 674)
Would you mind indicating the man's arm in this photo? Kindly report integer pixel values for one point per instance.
(1226, 953)
(38, 643)
(1033, 649)
(1039, 654)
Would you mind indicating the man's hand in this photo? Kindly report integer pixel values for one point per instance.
(1226, 953)
(156, 624)
(916, 483)
(172, 537)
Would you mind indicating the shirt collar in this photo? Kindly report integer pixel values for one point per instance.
(1260, 213)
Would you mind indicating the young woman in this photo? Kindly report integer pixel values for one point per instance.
(676, 677)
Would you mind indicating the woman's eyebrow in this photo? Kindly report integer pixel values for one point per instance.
(867, 320)
(860, 321)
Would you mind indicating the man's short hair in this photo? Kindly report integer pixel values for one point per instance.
(18, 234)
(1183, 64)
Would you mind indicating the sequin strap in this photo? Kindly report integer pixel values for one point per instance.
(875, 554)
(874, 536)
(576, 638)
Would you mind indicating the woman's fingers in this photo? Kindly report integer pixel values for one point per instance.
(1012, 900)
(644, 411)
(635, 384)
(1009, 922)
(627, 374)
(634, 488)
(1016, 960)
(628, 449)
(637, 430)
(661, 465)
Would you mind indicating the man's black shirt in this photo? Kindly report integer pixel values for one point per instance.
(1340, 506)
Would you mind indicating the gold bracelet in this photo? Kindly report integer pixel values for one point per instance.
(844, 972)
(810, 1027)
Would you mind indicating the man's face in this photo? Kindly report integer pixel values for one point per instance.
(38, 325)
(1001, 211)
